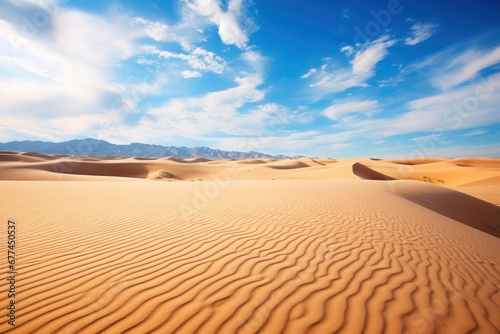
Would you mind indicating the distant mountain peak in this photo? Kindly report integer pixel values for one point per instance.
(98, 147)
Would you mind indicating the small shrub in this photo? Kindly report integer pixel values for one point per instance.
(163, 174)
(426, 179)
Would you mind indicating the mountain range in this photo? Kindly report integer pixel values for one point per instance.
(95, 147)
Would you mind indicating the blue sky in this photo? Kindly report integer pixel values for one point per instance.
(391, 79)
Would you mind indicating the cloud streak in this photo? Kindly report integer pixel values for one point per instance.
(464, 66)
(331, 79)
(337, 110)
(421, 32)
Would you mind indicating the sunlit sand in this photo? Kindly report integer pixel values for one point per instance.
(253, 246)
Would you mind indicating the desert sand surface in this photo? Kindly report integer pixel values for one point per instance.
(254, 246)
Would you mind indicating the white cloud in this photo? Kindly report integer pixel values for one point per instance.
(433, 137)
(340, 146)
(277, 141)
(463, 67)
(46, 4)
(198, 59)
(337, 110)
(363, 64)
(155, 30)
(421, 32)
(337, 79)
(471, 106)
(24, 64)
(475, 133)
(93, 39)
(255, 60)
(309, 73)
(466, 151)
(235, 24)
(161, 32)
(218, 111)
(61, 80)
(190, 74)
(348, 50)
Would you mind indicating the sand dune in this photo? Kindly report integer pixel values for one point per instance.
(254, 257)
(414, 162)
(476, 177)
(252, 161)
(368, 174)
(195, 160)
(100, 168)
(39, 155)
(287, 164)
(257, 246)
(463, 208)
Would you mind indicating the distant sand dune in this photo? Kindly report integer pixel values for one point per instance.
(99, 168)
(417, 161)
(196, 160)
(252, 161)
(10, 157)
(312, 162)
(357, 256)
(478, 162)
(287, 164)
(367, 173)
(39, 155)
(477, 177)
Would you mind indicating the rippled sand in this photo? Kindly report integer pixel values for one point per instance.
(355, 246)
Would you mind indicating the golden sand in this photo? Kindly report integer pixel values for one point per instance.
(256, 246)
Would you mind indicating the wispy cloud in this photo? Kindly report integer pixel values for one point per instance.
(431, 137)
(465, 108)
(456, 151)
(330, 79)
(337, 110)
(311, 72)
(198, 59)
(161, 32)
(457, 67)
(421, 32)
(475, 133)
(363, 64)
